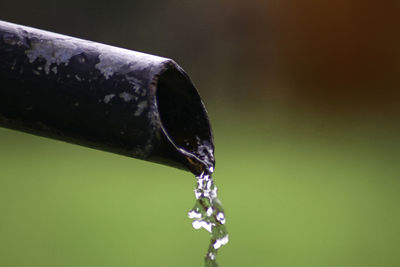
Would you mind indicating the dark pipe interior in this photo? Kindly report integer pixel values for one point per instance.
(183, 116)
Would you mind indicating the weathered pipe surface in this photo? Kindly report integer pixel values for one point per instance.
(104, 97)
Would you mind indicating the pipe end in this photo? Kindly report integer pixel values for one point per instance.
(184, 120)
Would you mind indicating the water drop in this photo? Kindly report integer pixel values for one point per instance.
(221, 241)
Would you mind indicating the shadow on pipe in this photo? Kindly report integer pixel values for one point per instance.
(103, 97)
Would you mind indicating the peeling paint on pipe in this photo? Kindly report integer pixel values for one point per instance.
(103, 97)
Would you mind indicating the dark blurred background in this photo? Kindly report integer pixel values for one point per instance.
(304, 99)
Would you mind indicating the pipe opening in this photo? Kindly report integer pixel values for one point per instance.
(184, 119)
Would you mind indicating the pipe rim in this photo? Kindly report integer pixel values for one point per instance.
(183, 118)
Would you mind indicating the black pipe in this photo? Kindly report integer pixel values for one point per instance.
(104, 97)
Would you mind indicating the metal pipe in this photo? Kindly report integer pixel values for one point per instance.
(103, 97)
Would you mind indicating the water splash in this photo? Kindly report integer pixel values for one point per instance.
(207, 213)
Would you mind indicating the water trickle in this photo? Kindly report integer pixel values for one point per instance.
(207, 212)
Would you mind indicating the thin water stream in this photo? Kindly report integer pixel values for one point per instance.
(207, 212)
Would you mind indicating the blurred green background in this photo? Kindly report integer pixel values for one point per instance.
(303, 97)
